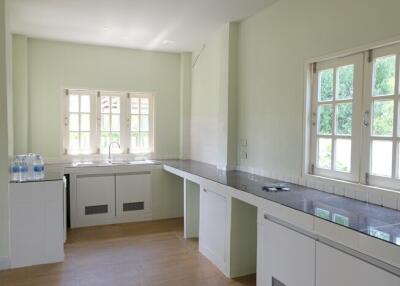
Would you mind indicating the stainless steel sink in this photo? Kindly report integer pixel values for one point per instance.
(112, 163)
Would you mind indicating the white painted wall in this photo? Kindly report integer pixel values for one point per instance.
(4, 144)
(185, 104)
(273, 48)
(204, 105)
(213, 106)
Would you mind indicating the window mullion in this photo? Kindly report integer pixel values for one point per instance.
(395, 120)
(334, 119)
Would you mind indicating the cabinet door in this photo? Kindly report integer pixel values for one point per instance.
(337, 268)
(36, 223)
(95, 200)
(133, 195)
(213, 227)
(288, 258)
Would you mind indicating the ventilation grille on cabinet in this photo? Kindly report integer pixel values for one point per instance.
(100, 209)
(137, 206)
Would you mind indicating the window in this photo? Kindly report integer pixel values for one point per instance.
(94, 119)
(381, 111)
(110, 122)
(80, 122)
(337, 98)
(355, 130)
(140, 122)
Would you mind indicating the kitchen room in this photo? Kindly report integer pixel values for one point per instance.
(199, 142)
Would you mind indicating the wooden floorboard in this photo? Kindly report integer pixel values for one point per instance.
(135, 254)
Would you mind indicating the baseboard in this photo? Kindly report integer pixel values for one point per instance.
(5, 263)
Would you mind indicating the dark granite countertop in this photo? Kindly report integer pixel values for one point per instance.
(50, 175)
(373, 220)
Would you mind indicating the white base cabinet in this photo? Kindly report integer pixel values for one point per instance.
(95, 200)
(36, 223)
(133, 196)
(335, 268)
(289, 258)
(213, 229)
(110, 198)
(286, 258)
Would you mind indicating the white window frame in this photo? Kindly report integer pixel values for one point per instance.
(93, 104)
(150, 98)
(357, 61)
(95, 113)
(123, 124)
(367, 177)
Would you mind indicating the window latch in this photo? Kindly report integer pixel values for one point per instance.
(366, 118)
(367, 178)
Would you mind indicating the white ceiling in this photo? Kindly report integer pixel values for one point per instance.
(166, 25)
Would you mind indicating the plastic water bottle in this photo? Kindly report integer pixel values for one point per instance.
(15, 170)
(38, 168)
(30, 158)
(23, 169)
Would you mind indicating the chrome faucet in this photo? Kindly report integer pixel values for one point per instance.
(109, 150)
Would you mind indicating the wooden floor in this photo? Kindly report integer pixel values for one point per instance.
(145, 254)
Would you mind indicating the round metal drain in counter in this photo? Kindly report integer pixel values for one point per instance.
(278, 187)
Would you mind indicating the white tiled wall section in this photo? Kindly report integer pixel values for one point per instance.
(373, 195)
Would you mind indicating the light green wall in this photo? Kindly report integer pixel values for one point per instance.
(185, 107)
(53, 66)
(204, 105)
(213, 106)
(21, 99)
(4, 142)
(273, 48)
(167, 195)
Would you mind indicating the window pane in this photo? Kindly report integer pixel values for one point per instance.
(144, 123)
(144, 106)
(74, 141)
(384, 76)
(343, 155)
(115, 104)
(324, 153)
(134, 141)
(74, 122)
(74, 103)
(345, 76)
(85, 103)
(115, 124)
(135, 105)
(85, 141)
(144, 138)
(105, 122)
(85, 122)
(325, 85)
(105, 104)
(115, 137)
(325, 113)
(344, 112)
(381, 158)
(382, 118)
(135, 123)
(104, 141)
